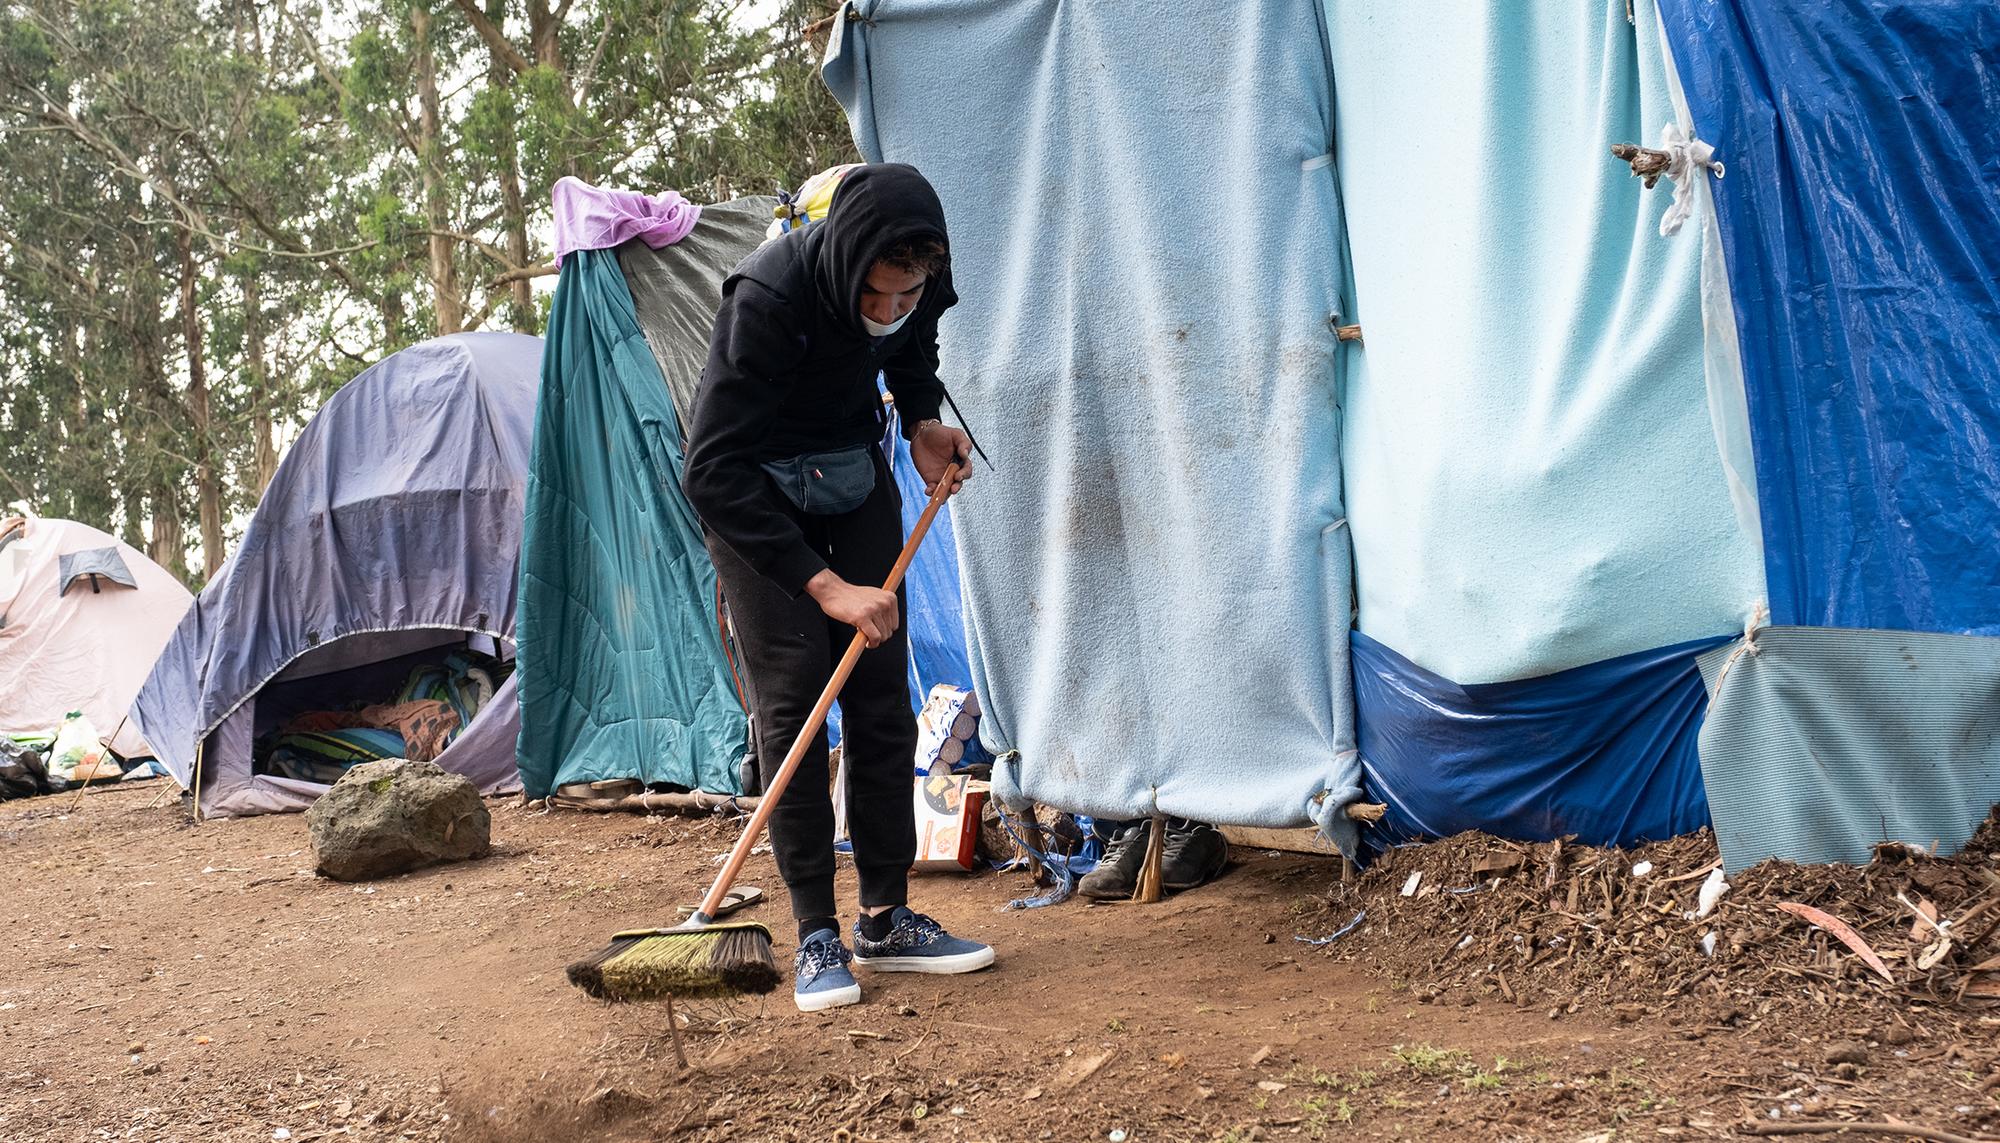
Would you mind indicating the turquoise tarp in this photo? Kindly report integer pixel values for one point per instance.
(622, 669)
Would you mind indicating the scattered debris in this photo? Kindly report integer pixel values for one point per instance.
(1710, 896)
(1566, 928)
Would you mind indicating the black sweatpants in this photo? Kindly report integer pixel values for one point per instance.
(789, 649)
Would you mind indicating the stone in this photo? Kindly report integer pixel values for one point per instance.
(392, 816)
(1847, 1052)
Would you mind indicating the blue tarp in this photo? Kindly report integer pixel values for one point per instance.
(1605, 752)
(937, 615)
(1860, 213)
(622, 669)
(393, 523)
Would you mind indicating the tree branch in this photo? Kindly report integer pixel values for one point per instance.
(495, 39)
(524, 273)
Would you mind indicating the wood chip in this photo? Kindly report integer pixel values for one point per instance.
(1272, 1086)
(1089, 1068)
(1260, 1055)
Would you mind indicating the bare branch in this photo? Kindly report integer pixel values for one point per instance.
(525, 273)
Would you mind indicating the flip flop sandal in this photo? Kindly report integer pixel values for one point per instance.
(740, 897)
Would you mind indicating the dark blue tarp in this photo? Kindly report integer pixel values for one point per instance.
(1860, 216)
(1604, 752)
(398, 510)
(937, 616)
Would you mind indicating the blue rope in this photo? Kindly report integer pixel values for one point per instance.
(1063, 868)
(1337, 933)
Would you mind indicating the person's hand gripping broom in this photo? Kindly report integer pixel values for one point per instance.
(699, 958)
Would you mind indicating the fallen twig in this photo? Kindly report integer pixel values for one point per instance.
(1905, 1130)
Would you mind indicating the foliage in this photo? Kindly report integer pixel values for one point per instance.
(213, 213)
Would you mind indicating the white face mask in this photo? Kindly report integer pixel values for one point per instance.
(877, 329)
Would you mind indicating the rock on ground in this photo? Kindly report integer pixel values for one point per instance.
(388, 817)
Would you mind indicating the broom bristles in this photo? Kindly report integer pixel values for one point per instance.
(716, 962)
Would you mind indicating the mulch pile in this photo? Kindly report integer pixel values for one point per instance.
(1561, 926)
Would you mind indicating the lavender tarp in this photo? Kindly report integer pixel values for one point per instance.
(398, 509)
(594, 218)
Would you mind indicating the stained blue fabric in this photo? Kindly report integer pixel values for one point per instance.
(1860, 214)
(1146, 244)
(1821, 743)
(1605, 752)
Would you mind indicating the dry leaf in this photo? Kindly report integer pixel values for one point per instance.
(1842, 931)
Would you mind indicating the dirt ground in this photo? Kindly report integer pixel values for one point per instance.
(169, 981)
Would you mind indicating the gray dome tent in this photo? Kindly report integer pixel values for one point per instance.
(391, 532)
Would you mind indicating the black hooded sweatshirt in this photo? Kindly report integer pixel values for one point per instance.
(791, 370)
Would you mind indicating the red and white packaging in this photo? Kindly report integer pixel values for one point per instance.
(947, 808)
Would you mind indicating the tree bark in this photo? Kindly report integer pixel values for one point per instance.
(449, 306)
(514, 211)
(262, 398)
(167, 547)
(208, 483)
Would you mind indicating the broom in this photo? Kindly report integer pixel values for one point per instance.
(699, 958)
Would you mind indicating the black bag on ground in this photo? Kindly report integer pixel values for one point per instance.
(22, 774)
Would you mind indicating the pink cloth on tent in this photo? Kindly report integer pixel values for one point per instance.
(593, 218)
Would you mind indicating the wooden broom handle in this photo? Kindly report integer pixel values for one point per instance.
(776, 787)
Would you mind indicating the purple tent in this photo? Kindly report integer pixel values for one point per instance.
(391, 532)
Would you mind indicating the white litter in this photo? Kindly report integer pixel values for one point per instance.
(1410, 886)
(1708, 944)
(1711, 893)
(1641, 869)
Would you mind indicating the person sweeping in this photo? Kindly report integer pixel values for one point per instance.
(803, 519)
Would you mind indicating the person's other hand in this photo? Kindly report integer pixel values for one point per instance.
(934, 448)
(869, 610)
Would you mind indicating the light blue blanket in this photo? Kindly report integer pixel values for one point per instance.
(1149, 254)
(1532, 468)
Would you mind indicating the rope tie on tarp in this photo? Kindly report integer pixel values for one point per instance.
(1760, 618)
(1680, 158)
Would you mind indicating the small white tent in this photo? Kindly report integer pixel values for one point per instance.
(82, 617)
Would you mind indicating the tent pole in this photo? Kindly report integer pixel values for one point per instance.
(200, 748)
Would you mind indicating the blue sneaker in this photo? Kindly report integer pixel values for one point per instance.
(918, 944)
(821, 977)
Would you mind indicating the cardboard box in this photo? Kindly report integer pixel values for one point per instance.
(947, 808)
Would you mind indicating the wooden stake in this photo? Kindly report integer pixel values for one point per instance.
(1147, 892)
(674, 1026)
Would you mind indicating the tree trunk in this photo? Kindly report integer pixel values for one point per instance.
(514, 212)
(542, 29)
(208, 484)
(262, 399)
(450, 307)
(394, 314)
(167, 547)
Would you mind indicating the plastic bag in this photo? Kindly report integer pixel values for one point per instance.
(21, 772)
(77, 748)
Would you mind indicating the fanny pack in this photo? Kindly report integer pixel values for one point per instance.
(826, 483)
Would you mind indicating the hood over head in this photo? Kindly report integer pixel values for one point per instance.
(877, 206)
